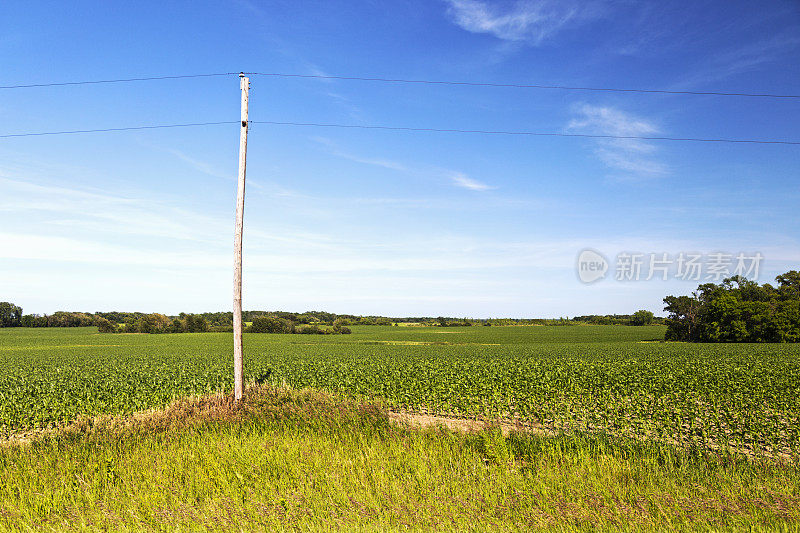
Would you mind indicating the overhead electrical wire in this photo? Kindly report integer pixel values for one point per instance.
(523, 86)
(120, 80)
(127, 128)
(530, 133)
(412, 129)
(411, 81)
(402, 128)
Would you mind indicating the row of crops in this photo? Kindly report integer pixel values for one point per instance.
(609, 378)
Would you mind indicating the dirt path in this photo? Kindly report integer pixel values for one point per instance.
(471, 425)
(463, 425)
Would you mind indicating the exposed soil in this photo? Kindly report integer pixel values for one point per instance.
(463, 425)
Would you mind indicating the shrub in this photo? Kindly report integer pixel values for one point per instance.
(271, 324)
(105, 326)
(313, 329)
(340, 326)
(65, 319)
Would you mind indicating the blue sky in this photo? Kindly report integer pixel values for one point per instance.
(387, 222)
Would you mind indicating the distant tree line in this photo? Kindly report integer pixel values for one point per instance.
(639, 318)
(106, 322)
(11, 316)
(153, 323)
(276, 324)
(737, 310)
(311, 322)
(448, 322)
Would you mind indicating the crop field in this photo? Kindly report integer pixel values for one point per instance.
(615, 379)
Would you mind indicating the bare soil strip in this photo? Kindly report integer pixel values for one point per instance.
(462, 425)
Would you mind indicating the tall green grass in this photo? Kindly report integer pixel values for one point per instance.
(306, 460)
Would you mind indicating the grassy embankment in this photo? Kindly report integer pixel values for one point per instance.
(307, 460)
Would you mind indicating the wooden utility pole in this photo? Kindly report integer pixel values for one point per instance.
(238, 352)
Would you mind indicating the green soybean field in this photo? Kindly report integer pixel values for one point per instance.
(615, 379)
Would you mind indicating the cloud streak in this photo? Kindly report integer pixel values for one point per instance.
(634, 158)
(334, 150)
(744, 58)
(103, 213)
(459, 179)
(103, 217)
(531, 21)
(200, 166)
(463, 181)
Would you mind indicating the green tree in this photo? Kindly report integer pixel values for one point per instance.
(682, 322)
(737, 310)
(789, 285)
(10, 315)
(271, 324)
(105, 326)
(31, 321)
(195, 324)
(146, 324)
(642, 317)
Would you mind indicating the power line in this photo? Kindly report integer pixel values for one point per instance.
(411, 129)
(402, 80)
(529, 133)
(523, 86)
(120, 80)
(102, 130)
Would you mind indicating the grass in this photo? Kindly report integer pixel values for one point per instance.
(322, 452)
(307, 460)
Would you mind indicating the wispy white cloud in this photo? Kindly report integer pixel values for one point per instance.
(452, 270)
(464, 181)
(741, 59)
(200, 166)
(458, 179)
(192, 161)
(635, 158)
(207, 168)
(316, 70)
(530, 21)
(333, 149)
(104, 217)
(102, 212)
